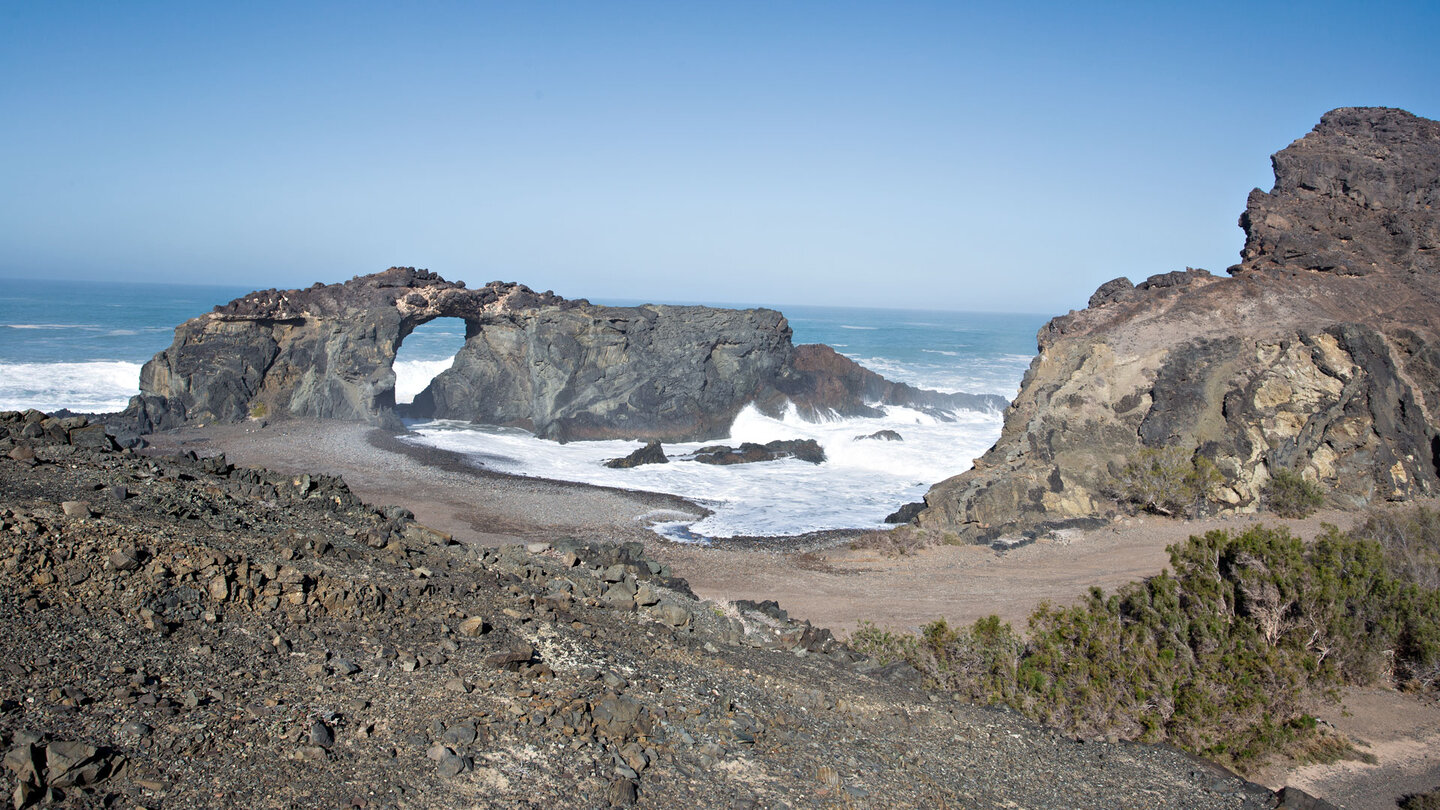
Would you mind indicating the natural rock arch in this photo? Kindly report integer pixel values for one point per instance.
(565, 369)
(429, 349)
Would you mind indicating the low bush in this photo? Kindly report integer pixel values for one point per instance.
(882, 645)
(1218, 655)
(1411, 540)
(1168, 481)
(1289, 495)
(1429, 800)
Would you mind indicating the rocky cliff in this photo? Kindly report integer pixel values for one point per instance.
(1320, 355)
(564, 369)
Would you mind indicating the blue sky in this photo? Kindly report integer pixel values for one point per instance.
(1005, 157)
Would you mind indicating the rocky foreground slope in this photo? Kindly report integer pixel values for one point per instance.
(181, 633)
(1319, 356)
(566, 369)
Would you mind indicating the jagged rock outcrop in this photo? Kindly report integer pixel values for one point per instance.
(565, 369)
(1320, 355)
(1355, 196)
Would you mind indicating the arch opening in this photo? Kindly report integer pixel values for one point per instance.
(426, 352)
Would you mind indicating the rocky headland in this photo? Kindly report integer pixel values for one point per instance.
(564, 369)
(1318, 356)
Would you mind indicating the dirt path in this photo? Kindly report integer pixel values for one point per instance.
(1402, 733)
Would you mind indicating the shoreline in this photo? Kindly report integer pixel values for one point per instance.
(813, 575)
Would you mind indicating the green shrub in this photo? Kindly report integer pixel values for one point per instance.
(1290, 496)
(1411, 539)
(882, 645)
(1168, 481)
(1429, 800)
(1218, 655)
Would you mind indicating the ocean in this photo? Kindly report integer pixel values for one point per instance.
(80, 345)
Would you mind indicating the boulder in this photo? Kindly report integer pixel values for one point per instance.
(651, 453)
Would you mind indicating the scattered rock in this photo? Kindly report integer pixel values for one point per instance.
(512, 658)
(750, 452)
(623, 793)
(674, 615)
(452, 765)
(321, 734)
(474, 626)
(651, 453)
(126, 558)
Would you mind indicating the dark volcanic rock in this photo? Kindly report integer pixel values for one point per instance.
(1321, 354)
(1112, 290)
(750, 452)
(1355, 196)
(563, 369)
(651, 453)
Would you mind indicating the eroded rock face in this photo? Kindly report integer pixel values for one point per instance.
(324, 352)
(1355, 196)
(564, 369)
(1320, 355)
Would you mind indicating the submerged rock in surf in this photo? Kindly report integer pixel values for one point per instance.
(750, 452)
(651, 453)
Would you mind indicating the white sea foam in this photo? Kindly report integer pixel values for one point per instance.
(51, 325)
(100, 385)
(975, 377)
(411, 376)
(861, 482)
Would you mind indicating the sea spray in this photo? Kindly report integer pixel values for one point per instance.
(862, 481)
(96, 386)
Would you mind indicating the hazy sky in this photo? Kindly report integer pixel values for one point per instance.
(1007, 156)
